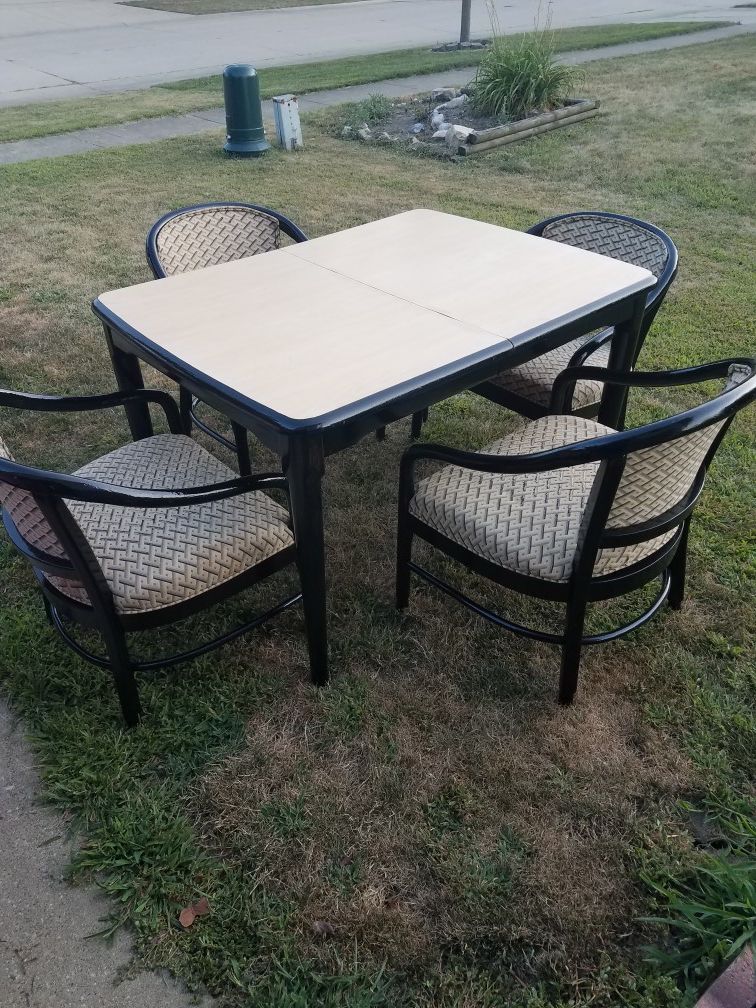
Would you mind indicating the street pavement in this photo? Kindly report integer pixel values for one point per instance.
(52, 49)
(166, 127)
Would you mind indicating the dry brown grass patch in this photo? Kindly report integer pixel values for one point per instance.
(413, 820)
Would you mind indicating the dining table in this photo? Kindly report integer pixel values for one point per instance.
(315, 345)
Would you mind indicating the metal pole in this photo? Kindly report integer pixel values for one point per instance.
(464, 28)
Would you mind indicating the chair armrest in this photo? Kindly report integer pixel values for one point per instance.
(107, 493)
(576, 453)
(590, 346)
(82, 404)
(80, 488)
(564, 383)
(579, 358)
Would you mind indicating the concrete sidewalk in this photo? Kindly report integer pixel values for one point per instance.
(167, 127)
(52, 49)
(45, 960)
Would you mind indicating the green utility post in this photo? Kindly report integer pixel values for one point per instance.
(245, 134)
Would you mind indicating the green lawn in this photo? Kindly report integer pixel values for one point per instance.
(470, 843)
(25, 121)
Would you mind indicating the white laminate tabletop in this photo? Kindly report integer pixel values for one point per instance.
(316, 327)
(506, 282)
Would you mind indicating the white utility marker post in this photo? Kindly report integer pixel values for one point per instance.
(286, 116)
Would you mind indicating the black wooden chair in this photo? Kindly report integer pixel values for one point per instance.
(151, 533)
(569, 510)
(194, 237)
(526, 389)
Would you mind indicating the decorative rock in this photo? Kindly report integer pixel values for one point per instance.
(437, 119)
(347, 131)
(365, 133)
(458, 134)
(444, 94)
(418, 128)
(456, 137)
(440, 134)
(456, 46)
(455, 102)
(414, 142)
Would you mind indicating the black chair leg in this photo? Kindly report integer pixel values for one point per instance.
(185, 409)
(403, 556)
(418, 419)
(242, 449)
(123, 676)
(571, 649)
(677, 571)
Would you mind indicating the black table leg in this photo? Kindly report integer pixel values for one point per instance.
(128, 373)
(623, 350)
(304, 468)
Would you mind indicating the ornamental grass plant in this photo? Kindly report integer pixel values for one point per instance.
(519, 75)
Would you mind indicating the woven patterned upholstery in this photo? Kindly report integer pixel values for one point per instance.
(655, 479)
(528, 523)
(211, 235)
(618, 239)
(27, 516)
(534, 379)
(152, 558)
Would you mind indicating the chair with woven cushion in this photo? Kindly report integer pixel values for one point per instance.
(526, 389)
(569, 510)
(147, 535)
(208, 234)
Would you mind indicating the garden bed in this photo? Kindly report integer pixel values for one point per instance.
(447, 122)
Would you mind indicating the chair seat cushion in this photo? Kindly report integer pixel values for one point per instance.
(156, 557)
(527, 523)
(534, 379)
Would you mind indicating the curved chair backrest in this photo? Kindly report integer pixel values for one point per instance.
(212, 233)
(44, 532)
(25, 511)
(620, 237)
(655, 479)
(653, 474)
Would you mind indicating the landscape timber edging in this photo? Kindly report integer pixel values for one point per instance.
(576, 111)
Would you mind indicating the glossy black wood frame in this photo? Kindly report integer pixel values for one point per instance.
(304, 444)
(611, 452)
(527, 407)
(51, 490)
(240, 444)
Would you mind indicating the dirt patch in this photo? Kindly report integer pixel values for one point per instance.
(409, 113)
(423, 121)
(417, 823)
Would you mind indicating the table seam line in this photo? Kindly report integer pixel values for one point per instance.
(292, 250)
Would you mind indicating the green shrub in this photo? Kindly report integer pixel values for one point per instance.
(371, 110)
(519, 75)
